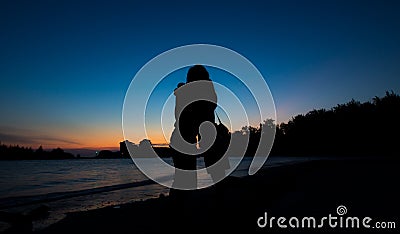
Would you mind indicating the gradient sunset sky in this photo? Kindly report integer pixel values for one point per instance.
(65, 65)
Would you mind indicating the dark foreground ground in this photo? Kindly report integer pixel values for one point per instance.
(367, 187)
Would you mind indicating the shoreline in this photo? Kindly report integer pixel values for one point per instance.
(366, 187)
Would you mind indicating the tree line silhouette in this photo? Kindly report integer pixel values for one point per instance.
(353, 128)
(16, 152)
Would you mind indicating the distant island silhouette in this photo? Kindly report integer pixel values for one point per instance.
(353, 128)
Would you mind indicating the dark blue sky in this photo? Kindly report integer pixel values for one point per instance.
(65, 65)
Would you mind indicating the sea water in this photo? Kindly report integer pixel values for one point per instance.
(83, 184)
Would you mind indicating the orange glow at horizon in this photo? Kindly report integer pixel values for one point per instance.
(96, 139)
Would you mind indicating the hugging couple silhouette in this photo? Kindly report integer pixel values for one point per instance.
(196, 133)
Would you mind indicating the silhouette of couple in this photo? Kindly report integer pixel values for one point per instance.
(196, 133)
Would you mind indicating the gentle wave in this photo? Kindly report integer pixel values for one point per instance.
(10, 202)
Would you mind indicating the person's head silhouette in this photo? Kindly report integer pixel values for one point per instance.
(197, 72)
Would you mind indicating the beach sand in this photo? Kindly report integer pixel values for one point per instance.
(367, 187)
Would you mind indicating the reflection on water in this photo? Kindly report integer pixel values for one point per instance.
(23, 178)
(20, 178)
